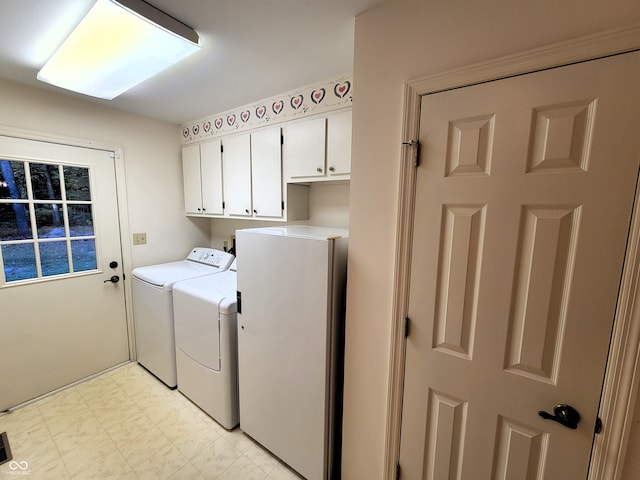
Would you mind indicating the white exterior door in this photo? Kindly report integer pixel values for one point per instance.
(523, 202)
(62, 319)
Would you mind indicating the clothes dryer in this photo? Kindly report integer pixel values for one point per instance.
(153, 307)
(206, 344)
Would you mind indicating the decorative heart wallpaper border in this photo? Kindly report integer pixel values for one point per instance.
(310, 100)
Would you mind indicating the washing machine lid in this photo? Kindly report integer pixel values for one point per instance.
(200, 261)
(166, 274)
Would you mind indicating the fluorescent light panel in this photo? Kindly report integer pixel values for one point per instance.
(116, 46)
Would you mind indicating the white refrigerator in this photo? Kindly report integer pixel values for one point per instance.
(291, 289)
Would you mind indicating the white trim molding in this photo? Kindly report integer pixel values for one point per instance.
(620, 389)
(622, 375)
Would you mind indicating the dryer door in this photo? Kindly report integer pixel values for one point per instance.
(197, 324)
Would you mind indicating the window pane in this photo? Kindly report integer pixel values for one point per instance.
(19, 262)
(14, 221)
(76, 183)
(12, 181)
(45, 182)
(83, 253)
(80, 220)
(49, 220)
(53, 258)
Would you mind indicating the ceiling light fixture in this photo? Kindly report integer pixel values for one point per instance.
(117, 45)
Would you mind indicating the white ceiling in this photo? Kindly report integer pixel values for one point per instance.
(251, 49)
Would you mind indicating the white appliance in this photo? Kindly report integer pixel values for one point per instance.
(207, 344)
(153, 307)
(291, 285)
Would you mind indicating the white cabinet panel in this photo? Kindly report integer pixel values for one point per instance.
(266, 172)
(253, 186)
(191, 179)
(339, 143)
(236, 164)
(305, 143)
(319, 149)
(211, 171)
(202, 176)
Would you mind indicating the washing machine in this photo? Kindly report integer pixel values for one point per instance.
(153, 307)
(206, 344)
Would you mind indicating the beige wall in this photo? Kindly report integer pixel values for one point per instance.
(396, 42)
(152, 163)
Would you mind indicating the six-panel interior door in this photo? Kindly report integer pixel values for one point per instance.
(60, 328)
(523, 202)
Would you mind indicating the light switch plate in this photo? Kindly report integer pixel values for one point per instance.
(139, 238)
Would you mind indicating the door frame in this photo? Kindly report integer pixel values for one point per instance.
(121, 192)
(622, 375)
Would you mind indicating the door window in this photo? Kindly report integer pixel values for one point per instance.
(46, 221)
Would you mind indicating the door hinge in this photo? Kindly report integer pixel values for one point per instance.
(221, 148)
(223, 205)
(397, 471)
(406, 327)
(598, 427)
(416, 150)
(283, 205)
(281, 139)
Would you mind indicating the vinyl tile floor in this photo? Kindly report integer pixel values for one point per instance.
(125, 424)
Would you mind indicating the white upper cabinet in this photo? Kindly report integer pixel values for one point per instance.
(202, 174)
(305, 144)
(319, 148)
(211, 170)
(266, 172)
(339, 143)
(192, 179)
(236, 168)
(252, 173)
(243, 175)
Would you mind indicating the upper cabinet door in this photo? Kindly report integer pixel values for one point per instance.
(266, 172)
(191, 178)
(305, 143)
(211, 172)
(339, 143)
(236, 164)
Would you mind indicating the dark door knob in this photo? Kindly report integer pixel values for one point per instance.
(563, 414)
(113, 264)
(114, 279)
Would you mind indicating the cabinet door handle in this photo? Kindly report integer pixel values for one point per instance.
(332, 169)
(255, 211)
(247, 211)
(319, 170)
